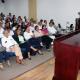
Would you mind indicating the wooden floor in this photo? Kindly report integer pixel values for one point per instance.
(42, 72)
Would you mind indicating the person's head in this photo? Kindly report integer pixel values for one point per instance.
(51, 20)
(14, 17)
(18, 30)
(71, 26)
(43, 26)
(6, 33)
(32, 24)
(8, 29)
(36, 28)
(41, 20)
(27, 29)
(25, 18)
(7, 19)
(45, 21)
(51, 24)
(7, 25)
(19, 18)
(10, 14)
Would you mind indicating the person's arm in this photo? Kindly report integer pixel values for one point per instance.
(3, 42)
(38, 34)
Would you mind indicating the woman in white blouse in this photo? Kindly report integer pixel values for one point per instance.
(11, 46)
(32, 39)
(52, 31)
(28, 34)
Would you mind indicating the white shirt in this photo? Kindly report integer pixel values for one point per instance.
(40, 27)
(8, 42)
(1, 32)
(27, 35)
(32, 29)
(51, 30)
(21, 39)
(11, 33)
(38, 33)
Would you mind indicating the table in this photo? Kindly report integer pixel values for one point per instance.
(67, 56)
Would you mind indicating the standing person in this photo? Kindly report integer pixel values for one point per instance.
(11, 46)
(78, 22)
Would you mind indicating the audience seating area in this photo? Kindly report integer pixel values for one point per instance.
(35, 35)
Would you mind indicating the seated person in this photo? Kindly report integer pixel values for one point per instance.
(22, 43)
(11, 46)
(29, 36)
(46, 40)
(32, 27)
(52, 31)
(71, 27)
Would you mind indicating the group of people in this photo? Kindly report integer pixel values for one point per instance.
(17, 33)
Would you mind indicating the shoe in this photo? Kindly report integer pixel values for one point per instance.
(1, 66)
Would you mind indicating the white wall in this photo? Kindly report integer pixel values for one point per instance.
(17, 7)
(59, 10)
(2, 7)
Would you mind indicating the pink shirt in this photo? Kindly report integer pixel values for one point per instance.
(45, 31)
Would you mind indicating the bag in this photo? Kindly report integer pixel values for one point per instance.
(2, 49)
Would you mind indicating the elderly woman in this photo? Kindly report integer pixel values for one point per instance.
(11, 46)
(22, 43)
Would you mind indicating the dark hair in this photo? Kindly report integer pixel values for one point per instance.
(18, 26)
(51, 20)
(17, 29)
(41, 20)
(36, 27)
(71, 26)
(59, 25)
(51, 23)
(43, 26)
(7, 26)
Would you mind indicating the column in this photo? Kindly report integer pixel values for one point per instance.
(33, 9)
